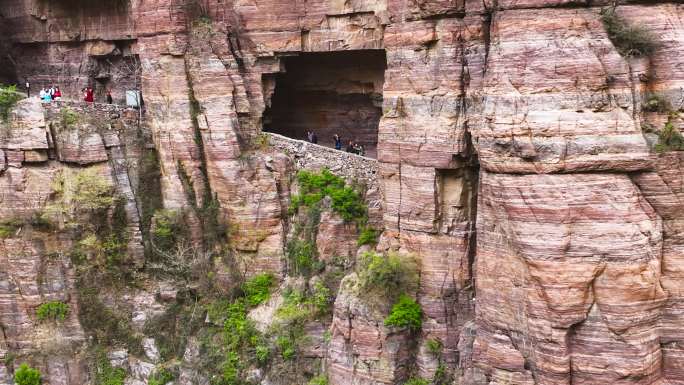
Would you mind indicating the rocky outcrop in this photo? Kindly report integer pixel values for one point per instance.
(516, 162)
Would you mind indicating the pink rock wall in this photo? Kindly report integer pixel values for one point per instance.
(511, 150)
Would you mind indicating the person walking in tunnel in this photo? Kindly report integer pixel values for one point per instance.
(309, 136)
(109, 97)
(314, 138)
(338, 142)
(58, 94)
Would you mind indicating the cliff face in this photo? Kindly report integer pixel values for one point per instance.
(523, 162)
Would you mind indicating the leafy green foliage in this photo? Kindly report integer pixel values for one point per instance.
(670, 139)
(27, 375)
(8, 99)
(434, 346)
(295, 310)
(630, 40)
(287, 346)
(81, 193)
(105, 373)
(442, 376)
(368, 236)
(319, 380)
(298, 308)
(258, 289)
(315, 186)
(167, 229)
(417, 381)
(9, 227)
(68, 117)
(321, 298)
(161, 377)
(262, 353)
(387, 275)
(302, 257)
(240, 343)
(53, 310)
(406, 313)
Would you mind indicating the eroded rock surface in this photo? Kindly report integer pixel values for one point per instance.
(517, 161)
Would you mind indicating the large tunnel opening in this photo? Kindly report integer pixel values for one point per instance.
(331, 93)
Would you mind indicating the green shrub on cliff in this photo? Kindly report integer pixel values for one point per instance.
(406, 313)
(68, 117)
(8, 99)
(53, 310)
(301, 256)
(670, 139)
(105, 373)
(85, 192)
(316, 186)
(167, 229)
(368, 236)
(9, 227)
(434, 346)
(161, 377)
(319, 380)
(258, 289)
(27, 375)
(388, 275)
(629, 40)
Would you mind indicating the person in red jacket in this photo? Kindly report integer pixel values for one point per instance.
(88, 93)
(57, 95)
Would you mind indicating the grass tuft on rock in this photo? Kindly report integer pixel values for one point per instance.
(669, 139)
(53, 310)
(629, 40)
(8, 99)
(258, 289)
(27, 375)
(387, 276)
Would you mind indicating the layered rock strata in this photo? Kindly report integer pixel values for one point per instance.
(516, 162)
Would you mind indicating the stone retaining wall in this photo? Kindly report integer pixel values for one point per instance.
(93, 110)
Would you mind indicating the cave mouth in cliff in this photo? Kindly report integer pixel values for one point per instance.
(328, 93)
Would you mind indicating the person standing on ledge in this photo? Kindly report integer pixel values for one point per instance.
(58, 94)
(309, 136)
(109, 97)
(338, 142)
(88, 95)
(47, 98)
(314, 138)
(350, 147)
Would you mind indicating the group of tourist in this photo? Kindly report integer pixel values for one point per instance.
(352, 147)
(47, 95)
(311, 137)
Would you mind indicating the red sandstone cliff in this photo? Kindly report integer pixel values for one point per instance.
(514, 164)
